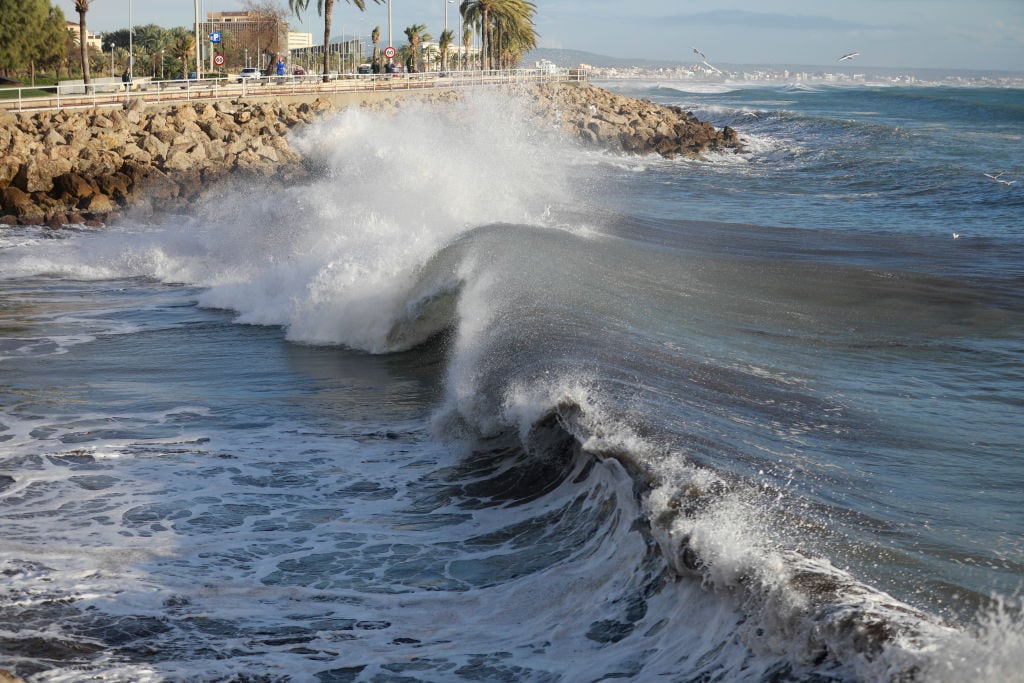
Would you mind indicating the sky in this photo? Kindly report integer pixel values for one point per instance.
(943, 34)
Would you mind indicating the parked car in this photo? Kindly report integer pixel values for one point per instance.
(249, 73)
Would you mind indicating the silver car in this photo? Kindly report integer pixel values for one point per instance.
(249, 73)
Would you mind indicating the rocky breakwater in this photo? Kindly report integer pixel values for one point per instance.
(604, 119)
(86, 166)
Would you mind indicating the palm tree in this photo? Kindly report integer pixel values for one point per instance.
(467, 39)
(152, 39)
(82, 6)
(184, 45)
(375, 39)
(444, 43)
(501, 15)
(416, 35)
(324, 8)
(514, 25)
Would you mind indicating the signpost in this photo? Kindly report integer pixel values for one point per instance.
(217, 59)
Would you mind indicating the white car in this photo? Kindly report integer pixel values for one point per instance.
(249, 73)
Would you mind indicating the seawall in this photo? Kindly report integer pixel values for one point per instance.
(86, 166)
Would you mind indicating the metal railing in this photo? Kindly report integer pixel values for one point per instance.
(106, 93)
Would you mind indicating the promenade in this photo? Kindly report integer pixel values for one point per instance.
(345, 89)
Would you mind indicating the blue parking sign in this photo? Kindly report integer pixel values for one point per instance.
(215, 37)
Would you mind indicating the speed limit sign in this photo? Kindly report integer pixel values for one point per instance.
(218, 59)
(390, 52)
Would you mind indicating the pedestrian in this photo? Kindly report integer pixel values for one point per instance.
(126, 78)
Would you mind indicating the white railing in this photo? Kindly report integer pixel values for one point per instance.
(107, 93)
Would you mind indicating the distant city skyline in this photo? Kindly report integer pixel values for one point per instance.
(944, 34)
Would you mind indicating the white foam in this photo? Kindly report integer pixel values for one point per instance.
(332, 260)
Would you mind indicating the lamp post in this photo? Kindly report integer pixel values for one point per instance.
(390, 43)
(199, 61)
(162, 60)
(111, 59)
(131, 32)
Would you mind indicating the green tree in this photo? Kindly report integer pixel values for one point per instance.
(416, 34)
(513, 26)
(324, 8)
(153, 41)
(32, 32)
(494, 21)
(375, 39)
(183, 44)
(467, 39)
(444, 43)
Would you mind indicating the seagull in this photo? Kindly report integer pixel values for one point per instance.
(847, 56)
(956, 235)
(698, 52)
(997, 179)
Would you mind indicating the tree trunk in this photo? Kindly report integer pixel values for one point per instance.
(328, 8)
(86, 78)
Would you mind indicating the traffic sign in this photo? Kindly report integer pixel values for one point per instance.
(218, 59)
(215, 37)
(390, 52)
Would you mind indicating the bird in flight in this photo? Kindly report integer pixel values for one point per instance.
(997, 179)
(847, 56)
(698, 52)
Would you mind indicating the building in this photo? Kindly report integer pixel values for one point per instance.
(91, 39)
(344, 56)
(298, 40)
(244, 38)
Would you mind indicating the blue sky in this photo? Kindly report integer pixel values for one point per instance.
(946, 34)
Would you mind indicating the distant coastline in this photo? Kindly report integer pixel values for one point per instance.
(604, 67)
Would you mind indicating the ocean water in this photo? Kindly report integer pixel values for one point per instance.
(476, 404)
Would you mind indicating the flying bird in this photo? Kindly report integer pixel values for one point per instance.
(997, 179)
(847, 56)
(698, 52)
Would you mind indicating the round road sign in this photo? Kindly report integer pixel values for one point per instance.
(390, 52)
(218, 59)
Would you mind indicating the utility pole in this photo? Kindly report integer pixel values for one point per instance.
(199, 60)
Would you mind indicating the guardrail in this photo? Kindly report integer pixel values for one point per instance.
(69, 96)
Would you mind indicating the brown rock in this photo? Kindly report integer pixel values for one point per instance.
(96, 204)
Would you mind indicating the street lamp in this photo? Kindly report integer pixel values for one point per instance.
(111, 59)
(131, 47)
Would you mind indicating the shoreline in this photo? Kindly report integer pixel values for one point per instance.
(86, 167)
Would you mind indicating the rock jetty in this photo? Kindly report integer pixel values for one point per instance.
(86, 166)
